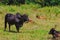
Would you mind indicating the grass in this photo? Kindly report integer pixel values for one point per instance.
(30, 31)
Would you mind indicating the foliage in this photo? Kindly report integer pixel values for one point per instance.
(41, 2)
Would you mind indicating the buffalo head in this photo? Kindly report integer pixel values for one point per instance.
(25, 18)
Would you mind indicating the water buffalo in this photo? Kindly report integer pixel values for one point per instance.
(54, 33)
(16, 20)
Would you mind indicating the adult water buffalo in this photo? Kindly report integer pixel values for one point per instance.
(16, 20)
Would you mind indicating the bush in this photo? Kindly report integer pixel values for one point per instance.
(41, 2)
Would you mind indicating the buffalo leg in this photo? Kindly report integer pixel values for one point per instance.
(17, 27)
(9, 27)
(54, 36)
(5, 26)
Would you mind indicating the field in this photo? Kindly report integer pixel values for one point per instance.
(37, 30)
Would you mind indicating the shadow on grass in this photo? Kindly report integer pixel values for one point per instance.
(13, 31)
(51, 38)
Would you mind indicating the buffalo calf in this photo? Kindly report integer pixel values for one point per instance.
(54, 33)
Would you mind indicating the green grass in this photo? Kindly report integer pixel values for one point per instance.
(30, 31)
